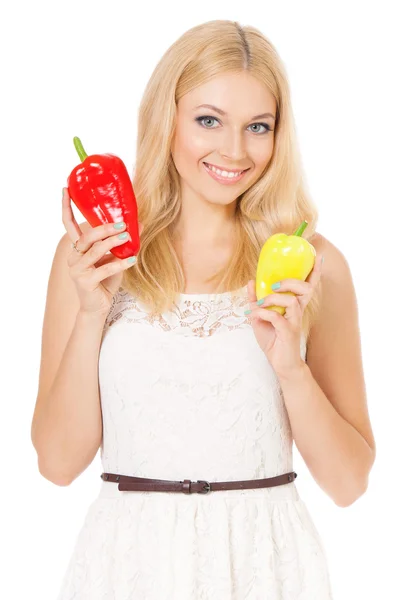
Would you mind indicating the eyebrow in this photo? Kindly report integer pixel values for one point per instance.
(222, 112)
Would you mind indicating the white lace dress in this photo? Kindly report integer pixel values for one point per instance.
(192, 396)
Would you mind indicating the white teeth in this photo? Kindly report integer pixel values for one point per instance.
(228, 174)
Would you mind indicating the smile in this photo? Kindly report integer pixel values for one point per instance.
(222, 176)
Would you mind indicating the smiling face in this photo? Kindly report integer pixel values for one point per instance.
(239, 139)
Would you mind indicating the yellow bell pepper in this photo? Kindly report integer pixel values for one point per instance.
(283, 257)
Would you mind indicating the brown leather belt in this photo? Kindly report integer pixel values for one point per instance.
(142, 484)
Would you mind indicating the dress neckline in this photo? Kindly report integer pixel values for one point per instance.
(212, 295)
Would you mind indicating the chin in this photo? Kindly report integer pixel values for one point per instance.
(220, 201)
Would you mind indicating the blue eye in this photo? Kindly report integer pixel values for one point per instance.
(265, 125)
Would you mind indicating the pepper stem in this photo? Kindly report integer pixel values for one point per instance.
(79, 148)
(300, 230)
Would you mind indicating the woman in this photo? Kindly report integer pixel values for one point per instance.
(158, 365)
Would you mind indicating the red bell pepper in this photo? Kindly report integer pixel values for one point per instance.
(102, 190)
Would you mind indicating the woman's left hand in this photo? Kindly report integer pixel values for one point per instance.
(279, 336)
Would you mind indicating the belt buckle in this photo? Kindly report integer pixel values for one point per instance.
(206, 488)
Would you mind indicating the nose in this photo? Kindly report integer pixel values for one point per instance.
(233, 146)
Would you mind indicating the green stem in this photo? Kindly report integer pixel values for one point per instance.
(79, 148)
(300, 230)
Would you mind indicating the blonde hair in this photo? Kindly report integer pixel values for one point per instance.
(277, 202)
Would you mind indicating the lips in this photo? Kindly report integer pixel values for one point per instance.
(224, 169)
(224, 180)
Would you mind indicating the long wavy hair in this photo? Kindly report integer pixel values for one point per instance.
(277, 202)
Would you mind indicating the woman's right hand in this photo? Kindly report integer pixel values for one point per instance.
(97, 275)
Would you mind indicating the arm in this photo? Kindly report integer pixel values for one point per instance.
(337, 455)
(326, 397)
(67, 425)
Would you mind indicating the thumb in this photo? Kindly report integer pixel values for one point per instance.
(251, 291)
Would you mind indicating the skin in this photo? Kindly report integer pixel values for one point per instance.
(234, 141)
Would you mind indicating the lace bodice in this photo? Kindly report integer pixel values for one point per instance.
(199, 315)
(199, 362)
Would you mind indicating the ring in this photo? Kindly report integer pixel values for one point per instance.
(74, 246)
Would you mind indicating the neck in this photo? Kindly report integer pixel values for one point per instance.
(206, 235)
(202, 222)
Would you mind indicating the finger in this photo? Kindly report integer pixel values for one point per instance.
(316, 272)
(294, 285)
(251, 291)
(272, 316)
(292, 313)
(105, 259)
(110, 268)
(290, 302)
(286, 299)
(68, 218)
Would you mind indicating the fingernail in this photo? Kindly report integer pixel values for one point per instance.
(247, 312)
(323, 258)
(132, 259)
(276, 286)
(261, 301)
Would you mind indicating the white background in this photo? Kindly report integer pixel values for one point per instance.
(79, 68)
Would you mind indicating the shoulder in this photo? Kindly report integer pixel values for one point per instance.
(328, 248)
(336, 274)
(338, 312)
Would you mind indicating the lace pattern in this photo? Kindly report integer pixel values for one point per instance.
(199, 315)
(190, 316)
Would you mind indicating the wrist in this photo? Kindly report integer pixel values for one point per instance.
(91, 317)
(294, 374)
